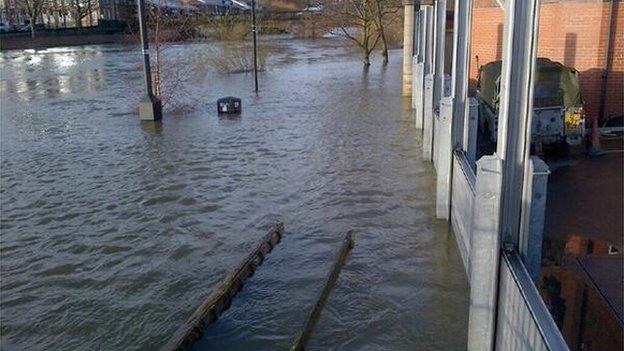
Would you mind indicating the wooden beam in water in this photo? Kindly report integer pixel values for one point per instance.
(303, 338)
(221, 298)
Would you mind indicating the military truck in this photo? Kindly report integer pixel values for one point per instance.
(558, 115)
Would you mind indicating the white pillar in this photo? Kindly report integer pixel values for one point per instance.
(408, 46)
(444, 158)
(484, 254)
(427, 143)
(416, 74)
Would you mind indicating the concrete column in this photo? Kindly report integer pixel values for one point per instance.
(444, 160)
(484, 254)
(415, 80)
(427, 143)
(418, 94)
(516, 105)
(533, 213)
(434, 155)
(408, 46)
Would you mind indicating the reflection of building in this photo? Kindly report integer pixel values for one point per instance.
(582, 303)
(574, 33)
(585, 320)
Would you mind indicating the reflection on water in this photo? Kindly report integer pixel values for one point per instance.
(113, 230)
(582, 278)
(584, 295)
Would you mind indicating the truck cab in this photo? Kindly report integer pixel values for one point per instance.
(558, 114)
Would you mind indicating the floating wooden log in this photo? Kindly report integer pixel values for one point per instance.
(303, 338)
(221, 298)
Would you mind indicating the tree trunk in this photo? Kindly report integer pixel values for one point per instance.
(384, 51)
(32, 29)
(90, 13)
(55, 13)
(366, 57)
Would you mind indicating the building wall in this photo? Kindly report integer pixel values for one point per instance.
(573, 32)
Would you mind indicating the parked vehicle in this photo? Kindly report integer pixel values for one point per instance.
(4, 27)
(558, 114)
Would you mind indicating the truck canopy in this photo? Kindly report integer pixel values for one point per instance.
(556, 85)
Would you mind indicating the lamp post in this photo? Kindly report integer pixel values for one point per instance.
(150, 107)
(255, 44)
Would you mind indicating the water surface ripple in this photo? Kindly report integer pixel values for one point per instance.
(113, 230)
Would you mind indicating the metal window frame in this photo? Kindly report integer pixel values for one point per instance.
(519, 52)
(460, 68)
(537, 308)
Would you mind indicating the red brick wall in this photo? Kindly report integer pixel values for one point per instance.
(573, 32)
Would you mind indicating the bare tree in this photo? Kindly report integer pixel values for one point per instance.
(173, 68)
(80, 9)
(355, 20)
(33, 9)
(383, 13)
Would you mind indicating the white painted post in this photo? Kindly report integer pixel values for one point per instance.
(533, 213)
(444, 159)
(415, 80)
(484, 254)
(434, 155)
(427, 143)
(418, 96)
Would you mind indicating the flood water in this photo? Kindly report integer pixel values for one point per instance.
(113, 230)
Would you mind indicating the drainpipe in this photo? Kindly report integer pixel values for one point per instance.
(595, 150)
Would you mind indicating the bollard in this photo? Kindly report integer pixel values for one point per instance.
(303, 338)
(221, 298)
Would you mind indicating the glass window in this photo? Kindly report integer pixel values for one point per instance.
(486, 50)
(578, 90)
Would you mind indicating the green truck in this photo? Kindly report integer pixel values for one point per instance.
(558, 114)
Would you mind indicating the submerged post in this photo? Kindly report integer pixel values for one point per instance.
(408, 46)
(306, 333)
(221, 298)
(150, 107)
(255, 44)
